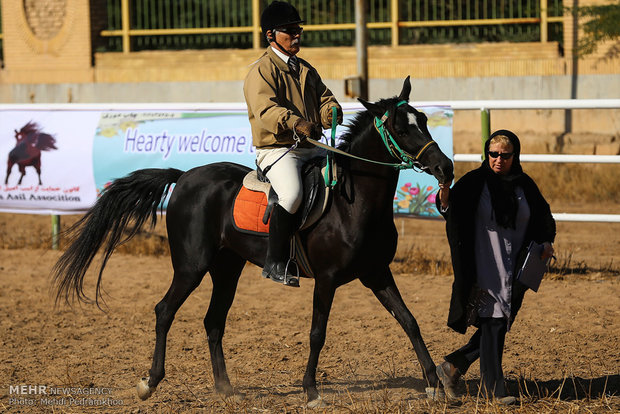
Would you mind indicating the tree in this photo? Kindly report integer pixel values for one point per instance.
(603, 24)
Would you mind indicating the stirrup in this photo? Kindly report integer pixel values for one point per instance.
(291, 280)
(279, 275)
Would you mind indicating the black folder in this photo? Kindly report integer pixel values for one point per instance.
(534, 268)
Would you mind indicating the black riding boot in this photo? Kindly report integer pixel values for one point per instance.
(282, 227)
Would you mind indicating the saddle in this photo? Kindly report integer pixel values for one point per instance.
(255, 200)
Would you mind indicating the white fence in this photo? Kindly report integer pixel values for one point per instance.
(484, 107)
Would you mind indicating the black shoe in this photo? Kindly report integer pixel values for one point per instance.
(279, 273)
(448, 375)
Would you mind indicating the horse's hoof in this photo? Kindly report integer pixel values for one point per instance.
(435, 393)
(236, 398)
(143, 389)
(225, 390)
(317, 403)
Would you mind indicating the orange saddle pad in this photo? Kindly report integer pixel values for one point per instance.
(248, 211)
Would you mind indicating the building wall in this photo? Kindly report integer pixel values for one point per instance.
(48, 59)
(384, 62)
(46, 41)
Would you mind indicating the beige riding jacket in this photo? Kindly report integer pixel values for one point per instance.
(276, 100)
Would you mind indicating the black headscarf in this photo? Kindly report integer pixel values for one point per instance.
(502, 187)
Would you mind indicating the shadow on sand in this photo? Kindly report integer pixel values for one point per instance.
(568, 389)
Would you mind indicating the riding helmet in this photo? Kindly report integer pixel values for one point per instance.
(277, 14)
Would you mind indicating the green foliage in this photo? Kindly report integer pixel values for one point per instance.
(603, 25)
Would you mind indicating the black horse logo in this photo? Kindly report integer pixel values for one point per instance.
(27, 152)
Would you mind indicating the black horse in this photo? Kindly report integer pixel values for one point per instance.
(355, 238)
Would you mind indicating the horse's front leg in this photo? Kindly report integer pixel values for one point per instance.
(321, 306)
(9, 167)
(22, 170)
(383, 286)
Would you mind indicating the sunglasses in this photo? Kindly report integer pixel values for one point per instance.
(291, 31)
(504, 155)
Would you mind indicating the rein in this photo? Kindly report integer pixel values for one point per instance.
(407, 161)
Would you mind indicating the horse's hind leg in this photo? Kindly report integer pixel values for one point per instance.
(37, 167)
(383, 286)
(225, 273)
(183, 283)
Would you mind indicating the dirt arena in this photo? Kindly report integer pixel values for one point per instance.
(562, 354)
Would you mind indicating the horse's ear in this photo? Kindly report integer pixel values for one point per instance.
(404, 94)
(374, 109)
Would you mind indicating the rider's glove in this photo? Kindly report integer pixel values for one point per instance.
(307, 129)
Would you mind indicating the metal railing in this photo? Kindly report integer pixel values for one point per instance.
(200, 24)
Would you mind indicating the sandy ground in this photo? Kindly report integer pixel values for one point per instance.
(562, 354)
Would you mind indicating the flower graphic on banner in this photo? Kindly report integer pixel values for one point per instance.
(101, 190)
(112, 131)
(412, 199)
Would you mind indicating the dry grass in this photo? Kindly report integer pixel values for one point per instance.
(421, 261)
(565, 266)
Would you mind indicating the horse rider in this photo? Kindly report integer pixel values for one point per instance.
(287, 102)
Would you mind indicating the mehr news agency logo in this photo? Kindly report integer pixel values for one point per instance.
(45, 395)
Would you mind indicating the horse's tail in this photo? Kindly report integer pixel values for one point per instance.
(123, 206)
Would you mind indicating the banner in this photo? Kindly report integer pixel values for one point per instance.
(81, 151)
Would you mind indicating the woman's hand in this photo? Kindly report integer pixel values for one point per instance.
(444, 194)
(548, 251)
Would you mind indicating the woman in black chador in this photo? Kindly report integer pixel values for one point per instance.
(492, 213)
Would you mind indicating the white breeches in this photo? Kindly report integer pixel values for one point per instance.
(285, 175)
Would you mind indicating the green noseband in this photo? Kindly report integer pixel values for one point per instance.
(407, 160)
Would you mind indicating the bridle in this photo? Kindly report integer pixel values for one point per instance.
(407, 160)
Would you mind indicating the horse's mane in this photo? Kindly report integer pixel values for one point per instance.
(32, 132)
(360, 122)
(30, 129)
